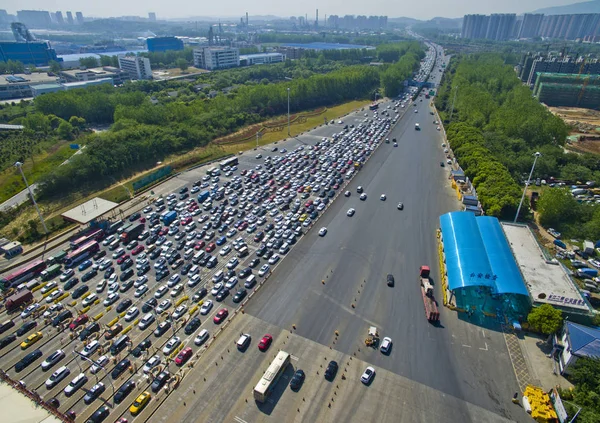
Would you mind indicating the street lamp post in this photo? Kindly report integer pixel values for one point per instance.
(537, 154)
(19, 165)
(288, 91)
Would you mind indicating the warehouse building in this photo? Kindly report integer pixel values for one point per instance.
(261, 59)
(158, 44)
(481, 272)
(216, 57)
(20, 85)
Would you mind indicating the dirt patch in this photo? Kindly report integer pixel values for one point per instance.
(575, 115)
(588, 146)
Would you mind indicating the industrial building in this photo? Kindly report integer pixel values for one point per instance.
(36, 53)
(261, 59)
(574, 342)
(20, 85)
(137, 67)
(568, 90)
(481, 271)
(52, 88)
(216, 57)
(118, 76)
(157, 44)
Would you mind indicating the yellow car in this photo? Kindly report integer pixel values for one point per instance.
(308, 189)
(31, 339)
(303, 217)
(140, 402)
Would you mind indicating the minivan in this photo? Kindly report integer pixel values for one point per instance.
(119, 345)
(250, 281)
(212, 262)
(243, 252)
(198, 256)
(113, 245)
(218, 277)
(188, 254)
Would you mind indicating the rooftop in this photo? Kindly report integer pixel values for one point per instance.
(254, 56)
(88, 211)
(24, 79)
(547, 283)
(585, 340)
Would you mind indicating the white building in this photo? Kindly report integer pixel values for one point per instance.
(261, 58)
(137, 67)
(216, 57)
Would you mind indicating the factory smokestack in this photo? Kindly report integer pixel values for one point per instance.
(246, 19)
(317, 20)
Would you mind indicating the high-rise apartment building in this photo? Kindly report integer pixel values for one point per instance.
(59, 18)
(475, 26)
(35, 18)
(530, 26)
(216, 57)
(79, 18)
(357, 22)
(70, 18)
(137, 67)
(152, 17)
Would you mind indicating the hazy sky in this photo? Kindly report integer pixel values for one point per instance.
(420, 9)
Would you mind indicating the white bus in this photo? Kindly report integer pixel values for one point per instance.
(267, 383)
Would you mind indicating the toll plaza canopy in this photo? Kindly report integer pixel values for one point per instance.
(477, 254)
(90, 210)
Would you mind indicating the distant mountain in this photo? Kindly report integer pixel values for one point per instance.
(584, 7)
(404, 20)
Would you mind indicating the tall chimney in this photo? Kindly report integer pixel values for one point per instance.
(317, 21)
(246, 18)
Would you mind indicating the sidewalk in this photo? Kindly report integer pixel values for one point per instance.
(541, 368)
(17, 408)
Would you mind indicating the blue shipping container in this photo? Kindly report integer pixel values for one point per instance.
(169, 217)
(203, 196)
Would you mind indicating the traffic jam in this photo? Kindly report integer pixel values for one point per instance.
(107, 328)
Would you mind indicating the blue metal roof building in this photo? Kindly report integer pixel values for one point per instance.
(481, 271)
(577, 341)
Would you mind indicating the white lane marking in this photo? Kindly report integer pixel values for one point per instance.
(293, 357)
(239, 420)
(486, 347)
(466, 346)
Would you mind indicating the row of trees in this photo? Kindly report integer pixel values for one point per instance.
(496, 127)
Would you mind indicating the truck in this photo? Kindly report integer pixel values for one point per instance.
(431, 310)
(203, 196)
(113, 227)
(57, 258)
(133, 232)
(169, 217)
(50, 272)
(17, 300)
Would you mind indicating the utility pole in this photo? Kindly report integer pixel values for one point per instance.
(288, 90)
(453, 100)
(20, 166)
(537, 154)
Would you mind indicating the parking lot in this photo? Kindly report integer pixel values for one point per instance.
(271, 198)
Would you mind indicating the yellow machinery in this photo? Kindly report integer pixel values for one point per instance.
(372, 338)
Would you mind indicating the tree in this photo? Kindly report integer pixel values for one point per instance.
(65, 130)
(182, 64)
(545, 319)
(556, 207)
(88, 62)
(54, 66)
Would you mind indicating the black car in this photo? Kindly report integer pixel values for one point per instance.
(155, 254)
(390, 280)
(267, 255)
(126, 264)
(141, 347)
(7, 340)
(261, 250)
(99, 255)
(124, 390)
(126, 286)
(27, 360)
(80, 291)
(126, 274)
(230, 274)
(162, 328)
(161, 274)
(26, 327)
(149, 305)
(135, 216)
(199, 295)
(144, 269)
(180, 245)
(62, 316)
(254, 263)
(239, 296)
(120, 368)
(158, 382)
(185, 269)
(331, 370)
(94, 392)
(109, 272)
(297, 380)
(124, 305)
(192, 326)
(204, 260)
(88, 330)
(244, 273)
(71, 283)
(151, 241)
(89, 275)
(99, 415)
(222, 294)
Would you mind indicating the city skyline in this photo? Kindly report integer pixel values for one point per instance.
(235, 8)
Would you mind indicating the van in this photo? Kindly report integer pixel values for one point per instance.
(218, 277)
(119, 345)
(6, 325)
(250, 281)
(212, 262)
(113, 245)
(243, 252)
(198, 256)
(188, 254)
(284, 248)
(193, 270)
(159, 202)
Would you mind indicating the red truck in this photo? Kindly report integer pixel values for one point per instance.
(431, 310)
(16, 300)
(132, 232)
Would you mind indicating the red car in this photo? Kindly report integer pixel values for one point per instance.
(199, 245)
(243, 226)
(210, 248)
(81, 320)
(186, 220)
(137, 250)
(122, 258)
(183, 356)
(265, 342)
(163, 231)
(221, 315)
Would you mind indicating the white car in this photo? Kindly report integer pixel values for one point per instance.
(108, 240)
(202, 337)
(146, 321)
(113, 287)
(177, 289)
(179, 312)
(171, 345)
(141, 281)
(367, 376)
(194, 280)
(131, 314)
(49, 286)
(264, 270)
(90, 348)
(33, 307)
(141, 290)
(50, 298)
(323, 231)
(382, 197)
(112, 298)
(232, 263)
(80, 380)
(106, 263)
(53, 309)
(231, 282)
(350, 212)
(151, 363)
(174, 280)
(206, 307)
(386, 345)
(89, 300)
(161, 291)
(163, 306)
(274, 259)
(100, 363)
(101, 285)
(118, 253)
(216, 288)
(57, 376)
(363, 196)
(225, 250)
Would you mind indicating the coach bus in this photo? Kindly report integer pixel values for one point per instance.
(374, 106)
(93, 235)
(24, 274)
(267, 383)
(232, 161)
(81, 253)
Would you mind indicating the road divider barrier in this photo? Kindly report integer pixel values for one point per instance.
(181, 300)
(84, 310)
(193, 310)
(47, 293)
(113, 321)
(127, 329)
(98, 316)
(60, 298)
(40, 286)
(87, 294)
